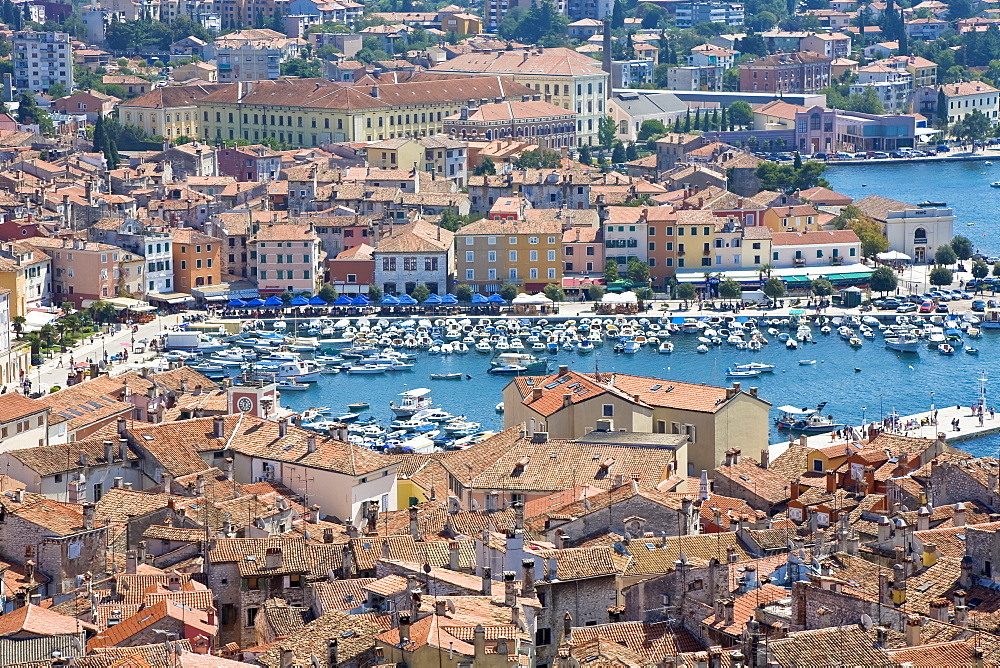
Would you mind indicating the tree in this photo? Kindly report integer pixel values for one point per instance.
(822, 287)
(651, 128)
(617, 15)
(631, 152)
(508, 291)
(869, 103)
(29, 113)
(797, 163)
(730, 289)
(869, 231)
(420, 293)
(637, 272)
(486, 167)
(18, 323)
(375, 293)
(539, 158)
(611, 271)
(973, 128)
(327, 293)
(996, 269)
(942, 109)
(585, 156)
(554, 292)
(980, 270)
(774, 288)
(686, 291)
(941, 276)
(962, 247)
(57, 90)
(464, 292)
(618, 153)
(607, 131)
(595, 292)
(945, 256)
(741, 113)
(883, 280)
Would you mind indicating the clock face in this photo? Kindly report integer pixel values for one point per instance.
(244, 404)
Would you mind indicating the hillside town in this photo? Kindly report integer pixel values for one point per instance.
(208, 208)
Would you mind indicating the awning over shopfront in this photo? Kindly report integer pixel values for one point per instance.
(223, 292)
(127, 303)
(169, 297)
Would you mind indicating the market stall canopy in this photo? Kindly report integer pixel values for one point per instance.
(480, 299)
(389, 300)
(525, 299)
(273, 301)
(433, 300)
(894, 255)
(256, 301)
(237, 303)
(299, 301)
(407, 300)
(449, 299)
(496, 299)
(360, 300)
(342, 300)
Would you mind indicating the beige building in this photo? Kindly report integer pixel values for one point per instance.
(168, 112)
(286, 257)
(561, 76)
(568, 405)
(526, 252)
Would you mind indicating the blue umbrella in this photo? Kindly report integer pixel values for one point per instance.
(449, 299)
(496, 299)
(389, 300)
(239, 303)
(317, 301)
(479, 299)
(273, 300)
(342, 300)
(360, 300)
(407, 300)
(300, 301)
(433, 300)
(256, 301)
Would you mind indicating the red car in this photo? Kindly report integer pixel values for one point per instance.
(927, 307)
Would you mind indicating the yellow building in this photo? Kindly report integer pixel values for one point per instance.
(799, 218)
(524, 249)
(311, 112)
(461, 23)
(25, 272)
(169, 111)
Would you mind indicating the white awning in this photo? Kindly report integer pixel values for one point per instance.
(170, 297)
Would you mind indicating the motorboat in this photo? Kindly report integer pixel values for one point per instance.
(791, 344)
(665, 348)
(447, 376)
(806, 420)
(527, 360)
(584, 346)
(855, 342)
(806, 362)
(366, 369)
(904, 342)
(946, 349)
(631, 347)
(291, 385)
(412, 401)
(734, 373)
(702, 348)
(358, 406)
(507, 370)
(759, 367)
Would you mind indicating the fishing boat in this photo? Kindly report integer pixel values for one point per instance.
(291, 385)
(358, 406)
(412, 401)
(855, 342)
(702, 348)
(904, 342)
(733, 373)
(806, 420)
(631, 347)
(499, 407)
(447, 376)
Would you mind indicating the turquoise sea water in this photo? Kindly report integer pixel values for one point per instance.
(965, 186)
(886, 381)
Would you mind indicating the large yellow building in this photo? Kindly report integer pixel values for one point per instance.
(525, 252)
(311, 112)
(169, 111)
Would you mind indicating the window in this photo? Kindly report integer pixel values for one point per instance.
(532, 240)
(552, 256)
(543, 637)
(252, 615)
(512, 256)
(470, 274)
(552, 273)
(818, 465)
(533, 256)
(470, 256)
(491, 256)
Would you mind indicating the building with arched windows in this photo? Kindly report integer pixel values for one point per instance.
(911, 229)
(533, 121)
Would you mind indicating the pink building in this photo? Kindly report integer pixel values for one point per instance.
(286, 257)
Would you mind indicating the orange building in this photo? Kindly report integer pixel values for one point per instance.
(197, 260)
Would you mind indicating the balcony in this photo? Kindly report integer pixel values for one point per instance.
(799, 262)
(837, 261)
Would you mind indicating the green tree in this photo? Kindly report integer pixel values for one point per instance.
(607, 131)
(962, 247)
(17, 323)
(420, 293)
(508, 291)
(869, 231)
(869, 103)
(822, 287)
(327, 293)
(774, 288)
(464, 292)
(974, 127)
(637, 272)
(730, 289)
(741, 113)
(941, 276)
(617, 15)
(996, 269)
(375, 293)
(57, 90)
(631, 152)
(554, 292)
(29, 113)
(595, 292)
(539, 158)
(945, 256)
(610, 271)
(686, 291)
(485, 168)
(942, 109)
(584, 155)
(618, 153)
(980, 270)
(883, 280)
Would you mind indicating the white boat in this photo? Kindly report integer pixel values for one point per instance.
(791, 344)
(631, 347)
(584, 346)
(665, 348)
(733, 373)
(366, 369)
(759, 367)
(702, 348)
(806, 362)
(412, 401)
(904, 342)
(289, 385)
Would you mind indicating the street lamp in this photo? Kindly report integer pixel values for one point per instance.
(932, 421)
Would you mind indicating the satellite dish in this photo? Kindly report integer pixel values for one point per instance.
(451, 606)
(475, 506)
(866, 622)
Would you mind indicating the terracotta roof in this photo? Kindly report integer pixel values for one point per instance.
(552, 62)
(744, 607)
(355, 636)
(342, 595)
(33, 620)
(651, 641)
(14, 406)
(150, 616)
(512, 110)
(169, 97)
(416, 237)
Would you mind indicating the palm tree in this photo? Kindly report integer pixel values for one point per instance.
(18, 323)
(765, 270)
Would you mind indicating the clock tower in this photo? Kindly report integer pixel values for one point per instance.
(259, 400)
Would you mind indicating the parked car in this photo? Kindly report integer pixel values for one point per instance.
(820, 156)
(941, 308)
(978, 305)
(879, 155)
(927, 307)
(906, 308)
(889, 304)
(942, 148)
(844, 156)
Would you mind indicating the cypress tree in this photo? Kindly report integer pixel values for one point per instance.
(687, 122)
(724, 122)
(697, 119)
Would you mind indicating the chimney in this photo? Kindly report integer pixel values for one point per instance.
(141, 551)
(414, 526)
(84, 459)
(282, 427)
(913, 623)
(109, 451)
(131, 562)
(228, 468)
(287, 658)
(884, 527)
(831, 482)
(333, 654)
(454, 562)
(486, 573)
(509, 589)
(88, 516)
(528, 578)
(929, 557)
(727, 611)
(536, 394)
(219, 426)
(563, 370)
(567, 399)
(404, 627)
(884, 593)
(959, 519)
(311, 443)
(939, 609)
(272, 558)
(166, 480)
(479, 642)
(123, 449)
(923, 519)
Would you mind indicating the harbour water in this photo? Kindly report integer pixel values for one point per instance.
(963, 185)
(860, 384)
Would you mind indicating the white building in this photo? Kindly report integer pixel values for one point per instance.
(894, 87)
(25, 423)
(822, 248)
(916, 231)
(252, 55)
(961, 98)
(42, 59)
(416, 254)
(159, 257)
